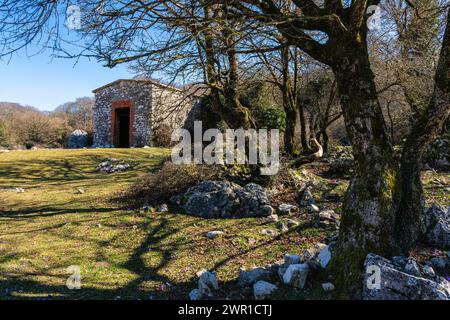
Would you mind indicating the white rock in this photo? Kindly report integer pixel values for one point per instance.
(207, 282)
(328, 287)
(163, 208)
(292, 223)
(268, 232)
(272, 218)
(214, 234)
(428, 271)
(412, 268)
(324, 257)
(263, 289)
(291, 259)
(312, 208)
(286, 208)
(296, 275)
(195, 295)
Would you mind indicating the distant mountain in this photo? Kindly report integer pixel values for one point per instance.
(8, 107)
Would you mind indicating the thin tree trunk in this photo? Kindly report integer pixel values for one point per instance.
(288, 104)
(303, 137)
(410, 220)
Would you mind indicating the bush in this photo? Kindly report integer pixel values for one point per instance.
(4, 135)
(271, 118)
(162, 136)
(170, 180)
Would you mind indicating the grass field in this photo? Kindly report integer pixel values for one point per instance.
(122, 253)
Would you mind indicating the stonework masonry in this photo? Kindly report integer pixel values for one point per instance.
(151, 105)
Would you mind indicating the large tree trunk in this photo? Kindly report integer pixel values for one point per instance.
(409, 222)
(367, 213)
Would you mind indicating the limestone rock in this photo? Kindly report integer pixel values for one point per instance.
(328, 287)
(263, 289)
(296, 275)
(112, 165)
(78, 140)
(207, 283)
(394, 284)
(412, 268)
(248, 278)
(163, 208)
(223, 199)
(214, 234)
(195, 295)
(324, 257)
(291, 259)
(437, 223)
(286, 208)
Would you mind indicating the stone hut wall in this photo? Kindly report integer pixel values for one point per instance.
(139, 93)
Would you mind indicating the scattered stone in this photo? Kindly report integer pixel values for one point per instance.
(163, 208)
(412, 268)
(428, 271)
(146, 208)
(263, 290)
(214, 234)
(437, 222)
(292, 223)
(207, 283)
(248, 278)
(328, 217)
(286, 208)
(18, 190)
(311, 253)
(78, 140)
(400, 261)
(307, 198)
(223, 199)
(195, 295)
(291, 259)
(268, 232)
(282, 227)
(324, 257)
(272, 218)
(312, 208)
(328, 287)
(438, 263)
(112, 165)
(398, 285)
(80, 191)
(296, 275)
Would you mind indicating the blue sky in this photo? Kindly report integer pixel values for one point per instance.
(46, 83)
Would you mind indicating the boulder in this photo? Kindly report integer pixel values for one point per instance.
(328, 217)
(311, 253)
(223, 199)
(268, 232)
(438, 263)
(207, 283)
(312, 208)
(292, 223)
(394, 284)
(437, 223)
(428, 271)
(248, 278)
(296, 275)
(78, 140)
(263, 290)
(272, 218)
(286, 208)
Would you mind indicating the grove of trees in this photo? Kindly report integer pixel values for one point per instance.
(326, 60)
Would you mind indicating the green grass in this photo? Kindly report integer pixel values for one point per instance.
(123, 253)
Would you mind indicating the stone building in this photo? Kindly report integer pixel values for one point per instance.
(132, 113)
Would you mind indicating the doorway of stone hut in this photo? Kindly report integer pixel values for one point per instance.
(122, 125)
